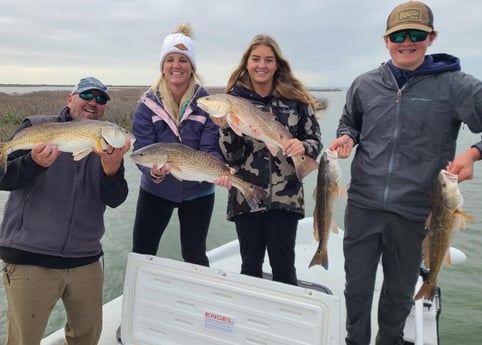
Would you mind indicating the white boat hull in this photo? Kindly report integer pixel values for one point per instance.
(170, 302)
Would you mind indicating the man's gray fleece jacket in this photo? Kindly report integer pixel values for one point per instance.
(58, 211)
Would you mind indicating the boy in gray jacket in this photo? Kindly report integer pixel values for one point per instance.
(404, 118)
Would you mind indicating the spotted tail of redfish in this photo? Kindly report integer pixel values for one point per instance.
(304, 165)
(253, 194)
(320, 258)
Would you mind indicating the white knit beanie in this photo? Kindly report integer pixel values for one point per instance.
(181, 44)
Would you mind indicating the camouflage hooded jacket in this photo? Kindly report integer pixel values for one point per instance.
(255, 164)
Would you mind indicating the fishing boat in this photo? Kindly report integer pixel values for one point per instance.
(170, 302)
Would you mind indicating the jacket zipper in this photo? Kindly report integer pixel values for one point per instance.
(395, 135)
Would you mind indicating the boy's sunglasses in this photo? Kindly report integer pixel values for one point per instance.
(88, 96)
(415, 36)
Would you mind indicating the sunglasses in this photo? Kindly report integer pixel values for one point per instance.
(415, 36)
(88, 96)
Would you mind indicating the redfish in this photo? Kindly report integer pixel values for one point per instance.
(244, 118)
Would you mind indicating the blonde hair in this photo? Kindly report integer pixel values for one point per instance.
(161, 84)
(285, 84)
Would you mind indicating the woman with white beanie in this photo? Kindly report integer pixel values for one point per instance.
(168, 113)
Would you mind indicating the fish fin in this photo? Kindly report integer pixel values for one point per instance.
(426, 249)
(99, 147)
(462, 223)
(235, 119)
(316, 235)
(428, 221)
(448, 259)
(465, 216)
(304, 165)
(273, 149)
(341, 192)
(320, 258)
(173, 170)
(78, 155)
(334, 228)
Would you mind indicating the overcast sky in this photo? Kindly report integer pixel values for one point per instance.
(327, 42)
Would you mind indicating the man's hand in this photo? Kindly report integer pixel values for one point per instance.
(111, 158)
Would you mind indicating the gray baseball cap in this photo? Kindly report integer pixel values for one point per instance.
(90, 83)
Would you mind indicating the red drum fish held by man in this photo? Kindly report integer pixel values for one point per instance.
(80, 137)
(327, 189)
(443, 222)
(244, 118)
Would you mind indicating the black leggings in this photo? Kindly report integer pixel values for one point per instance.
(274, 231)
(153, 215)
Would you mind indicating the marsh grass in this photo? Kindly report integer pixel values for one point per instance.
(120, 109)
(15, 107)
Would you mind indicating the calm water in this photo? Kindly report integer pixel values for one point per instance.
(460, 321)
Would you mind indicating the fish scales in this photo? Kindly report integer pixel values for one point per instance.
(326, 191)
(444, 221)
(189, 164)
(79, 137)
(244, 118)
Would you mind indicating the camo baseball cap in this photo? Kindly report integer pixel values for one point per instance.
(90, 83)
(410, 15)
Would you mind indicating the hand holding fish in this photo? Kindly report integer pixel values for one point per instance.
(294, 147)
(44, 155)
(186, 163)
(463, 164)
(111, 158)
(224, 180)
(158, 173)
(343, 146)
(221, 122)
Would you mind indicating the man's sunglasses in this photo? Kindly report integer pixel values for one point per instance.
(88, 96)
(415, 36)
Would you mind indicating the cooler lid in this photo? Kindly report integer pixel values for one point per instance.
(170, 302)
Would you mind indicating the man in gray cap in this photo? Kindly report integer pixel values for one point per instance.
(52, 226)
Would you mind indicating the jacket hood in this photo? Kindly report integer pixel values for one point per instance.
(433, 64)
(242, 91)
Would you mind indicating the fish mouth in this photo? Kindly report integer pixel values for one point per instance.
(447, 175)
(331, 153)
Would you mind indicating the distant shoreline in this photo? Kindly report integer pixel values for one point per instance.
(314, 89)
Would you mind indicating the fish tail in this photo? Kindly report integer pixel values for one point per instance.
(320, 258)
(253, 195)
(304, 165)
(427, 291)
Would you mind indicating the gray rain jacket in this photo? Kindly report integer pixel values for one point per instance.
(406, 135)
